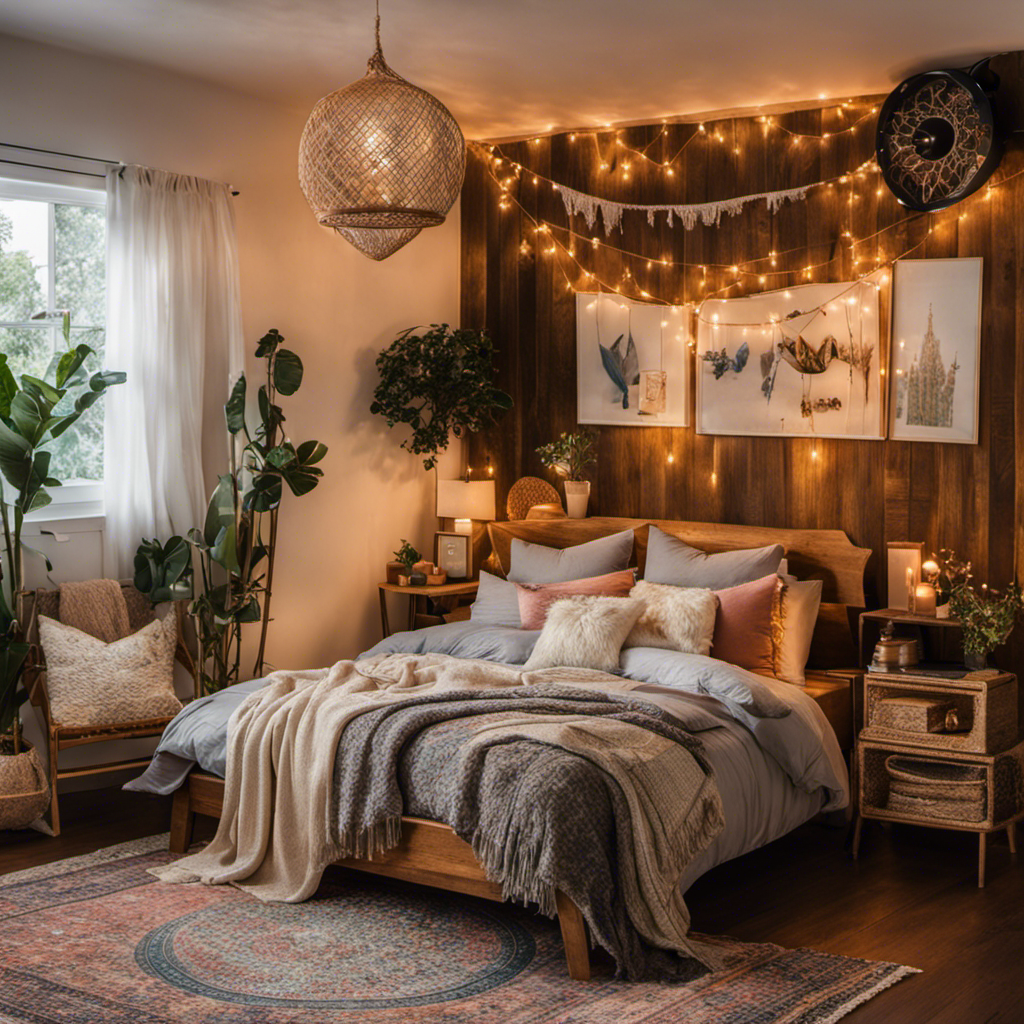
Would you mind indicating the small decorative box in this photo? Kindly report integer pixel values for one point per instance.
(912, 714)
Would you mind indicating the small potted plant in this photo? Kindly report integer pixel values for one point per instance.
(571, 456)
(987, 617)
(409, 575)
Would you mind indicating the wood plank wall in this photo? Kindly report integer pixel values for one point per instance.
(968, 497)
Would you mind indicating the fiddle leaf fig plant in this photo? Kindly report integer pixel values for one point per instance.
(33, 414)
(441, 383)
(237, 544)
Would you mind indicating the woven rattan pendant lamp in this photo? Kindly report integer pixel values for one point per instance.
(381, 159)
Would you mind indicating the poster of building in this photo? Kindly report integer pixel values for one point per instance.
(936, 335)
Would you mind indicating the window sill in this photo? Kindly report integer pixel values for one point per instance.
(71, 518)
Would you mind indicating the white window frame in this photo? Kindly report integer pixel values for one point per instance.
(74, 500)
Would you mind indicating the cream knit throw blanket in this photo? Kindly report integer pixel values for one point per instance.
(277, 831)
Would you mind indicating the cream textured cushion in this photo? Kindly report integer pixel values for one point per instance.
(93, 683)
(676, 618)
(585, 632)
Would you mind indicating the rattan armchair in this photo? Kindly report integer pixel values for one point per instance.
(61, 736)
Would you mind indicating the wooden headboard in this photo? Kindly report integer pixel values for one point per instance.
(826, 555)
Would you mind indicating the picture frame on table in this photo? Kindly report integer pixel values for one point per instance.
(903, 572)
(936, 350)
(453, 552)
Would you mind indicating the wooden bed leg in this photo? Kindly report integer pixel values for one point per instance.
(574, 936)
(182, 820)
(1011, 835)
(857, 826)
(981, 859)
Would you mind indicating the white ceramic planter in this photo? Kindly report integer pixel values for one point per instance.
(577, 495)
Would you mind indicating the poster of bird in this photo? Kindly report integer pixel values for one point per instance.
(632, 362)
(797, 362)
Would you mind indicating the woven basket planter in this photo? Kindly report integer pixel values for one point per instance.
(24, 788)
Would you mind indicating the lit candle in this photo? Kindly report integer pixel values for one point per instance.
(924, 599)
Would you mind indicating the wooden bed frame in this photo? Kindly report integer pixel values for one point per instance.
(430, 853)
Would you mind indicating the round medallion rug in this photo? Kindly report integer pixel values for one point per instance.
(398, 949)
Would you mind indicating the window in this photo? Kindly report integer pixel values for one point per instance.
(53, 257)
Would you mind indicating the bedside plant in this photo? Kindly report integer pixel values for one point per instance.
(408, 556)
(571, 456)
(987, 618)
(441, 383)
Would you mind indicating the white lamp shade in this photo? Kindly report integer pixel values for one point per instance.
(457, 499)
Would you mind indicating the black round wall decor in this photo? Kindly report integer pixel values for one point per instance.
(936, 140)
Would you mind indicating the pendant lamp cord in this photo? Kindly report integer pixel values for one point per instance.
(379, 51)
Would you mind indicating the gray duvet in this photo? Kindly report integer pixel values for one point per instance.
(775, 759)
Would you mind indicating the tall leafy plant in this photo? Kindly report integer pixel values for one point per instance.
(237, 544)
(439, 382)
(33, 414)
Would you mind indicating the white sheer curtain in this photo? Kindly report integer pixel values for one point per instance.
(174, 324)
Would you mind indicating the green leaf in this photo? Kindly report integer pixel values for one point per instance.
(15, 457)
(234, 410)
(287, 372)
(107, 379)
(221, 510)
(29, 417)
(281, 456)
(42, 391)
(268, 343)
(265, 493)
(39, 500)
(249, 612)
(66, 327)
(223, 550)
(310, 452)
(302, 480)
(70, 363)
(8, 386)
(271, 415)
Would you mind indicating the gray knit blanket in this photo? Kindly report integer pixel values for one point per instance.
(538, 816)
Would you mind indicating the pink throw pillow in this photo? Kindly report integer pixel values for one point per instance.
(536, 598)
(745, 625)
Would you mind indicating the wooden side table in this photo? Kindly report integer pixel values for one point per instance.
(447, 592)
(941, 645)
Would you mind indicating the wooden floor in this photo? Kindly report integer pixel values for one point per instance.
(911, 898)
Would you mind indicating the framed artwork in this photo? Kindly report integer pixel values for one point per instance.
(453, 552)
(632, 362)
(799, 362)
(936, 340)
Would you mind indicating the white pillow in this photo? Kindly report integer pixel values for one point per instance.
(585, 632)
(537, 563)
(671, 560)
(799, 603)
(676, 618)
(496, 604)
(93, 683)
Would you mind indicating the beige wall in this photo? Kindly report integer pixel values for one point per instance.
(335, 307)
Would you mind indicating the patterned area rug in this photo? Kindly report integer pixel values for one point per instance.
(97, 940)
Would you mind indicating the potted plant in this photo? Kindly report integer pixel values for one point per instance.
(408, 556)
(237, 543)
(571, 456)
(441, 383)
(987, 618)
(33, 414)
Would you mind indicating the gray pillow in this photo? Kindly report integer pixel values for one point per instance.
(537, 563)
(496, 604)
(670, 560)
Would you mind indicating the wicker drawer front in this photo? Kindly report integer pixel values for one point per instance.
(901, 782)
(908, 709)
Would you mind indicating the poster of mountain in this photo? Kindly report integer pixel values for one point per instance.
(797, 362)
(936, 335)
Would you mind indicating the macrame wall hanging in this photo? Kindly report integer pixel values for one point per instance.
(381, 159)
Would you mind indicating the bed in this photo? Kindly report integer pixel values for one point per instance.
(773, 773)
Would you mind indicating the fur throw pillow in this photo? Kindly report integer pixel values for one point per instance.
(93, 683)
(676, 618)
(585, 632)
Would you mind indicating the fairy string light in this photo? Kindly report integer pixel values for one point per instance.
(590, 278)
(709, 131)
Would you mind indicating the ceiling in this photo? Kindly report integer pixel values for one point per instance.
(524, 66)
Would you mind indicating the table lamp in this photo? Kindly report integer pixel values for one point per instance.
(464, 501)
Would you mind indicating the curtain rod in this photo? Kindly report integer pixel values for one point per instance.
(71, 156)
